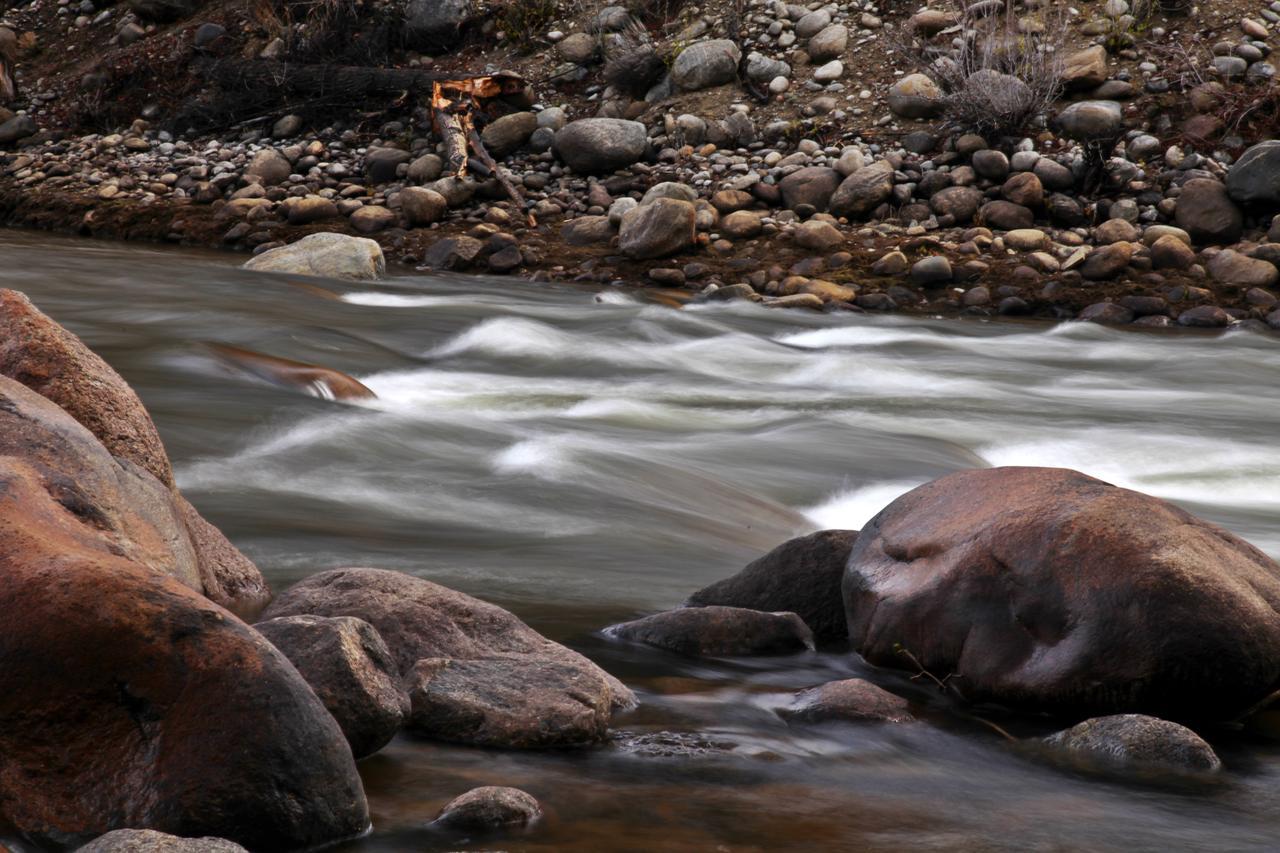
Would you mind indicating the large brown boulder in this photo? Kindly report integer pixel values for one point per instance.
(801, 575)
(53, 362)
(1050, 590)
(128, 699)
(486, 676)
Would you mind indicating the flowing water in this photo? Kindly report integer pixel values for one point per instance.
(583, 456)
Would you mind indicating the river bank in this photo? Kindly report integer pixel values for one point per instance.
(1140, 193)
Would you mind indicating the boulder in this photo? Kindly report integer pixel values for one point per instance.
(1115, 231)
(851, 700)
(150, 841)
(1092, 121)
(435, 24)
(1204, 317)
(1026, 582)
(916, 96)
(933, 271)
(1085, 69)
(1138, 741)
(670, 189)
(325, 254)
(53, 362)
(269, 166)
(507, 134)
(153, 684)
(716, 631)
(829, 43)
(587, 231)
(579, 48)
(705, 64)
(662, 227)
(311, 208)
(422, 206)
(1005, 216)
(351, 671)
(453, 253)
(1106, 313)
(1239, 270)
(742, 225)
(1206, 212)
(1107, 262)
(372, 218)
(382, 165)
(489, 808)
(17, 128)
(863, 191)
(486, 677)
(1254, 179)
(1025, 189)
(962, 203)
(818, 236)
(800, 576)
(596, 145)
(812, 185)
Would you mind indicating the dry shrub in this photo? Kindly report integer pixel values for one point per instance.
(996, 78)
(525, 21)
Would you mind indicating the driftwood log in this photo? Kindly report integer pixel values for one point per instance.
(458, 105)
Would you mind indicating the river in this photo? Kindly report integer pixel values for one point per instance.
(581, 456)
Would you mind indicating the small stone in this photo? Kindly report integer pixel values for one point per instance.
(931, 272)
(850, 700)
(490, 808)
(718, 631)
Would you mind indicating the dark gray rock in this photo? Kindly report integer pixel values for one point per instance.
(350, 669)
(662, 227)
(718, 631)
(800, 576)
(434, 24)
(863, 191)
(1254, 179)
(597, 145)
(1207, 213)
(705, 64)
(812, 185)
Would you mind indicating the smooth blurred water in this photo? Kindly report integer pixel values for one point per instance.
(581, 456)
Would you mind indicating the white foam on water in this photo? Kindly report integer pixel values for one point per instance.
(614, 297)
(851, 509)
(375, 299)
(1174, 467)
(547, 457)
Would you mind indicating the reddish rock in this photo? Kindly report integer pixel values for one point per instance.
(477, 651)
(53, 362)
(1046, 589)
(718, 631)
(123, 686)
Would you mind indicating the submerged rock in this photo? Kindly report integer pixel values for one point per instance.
(491, 807)
(1047, 589)
(850, 700)
(351, 671)
(1138, 740)
(715, 631)
(150, 841)
(474, 672)
(325, 254)
(802, 576)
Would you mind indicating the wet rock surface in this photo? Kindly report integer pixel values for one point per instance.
(490, 808)
(474, 672)
(801, 576)
(1138, 741)
(351, 671)
(718, 631)
(850, 700)
(979, 573)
